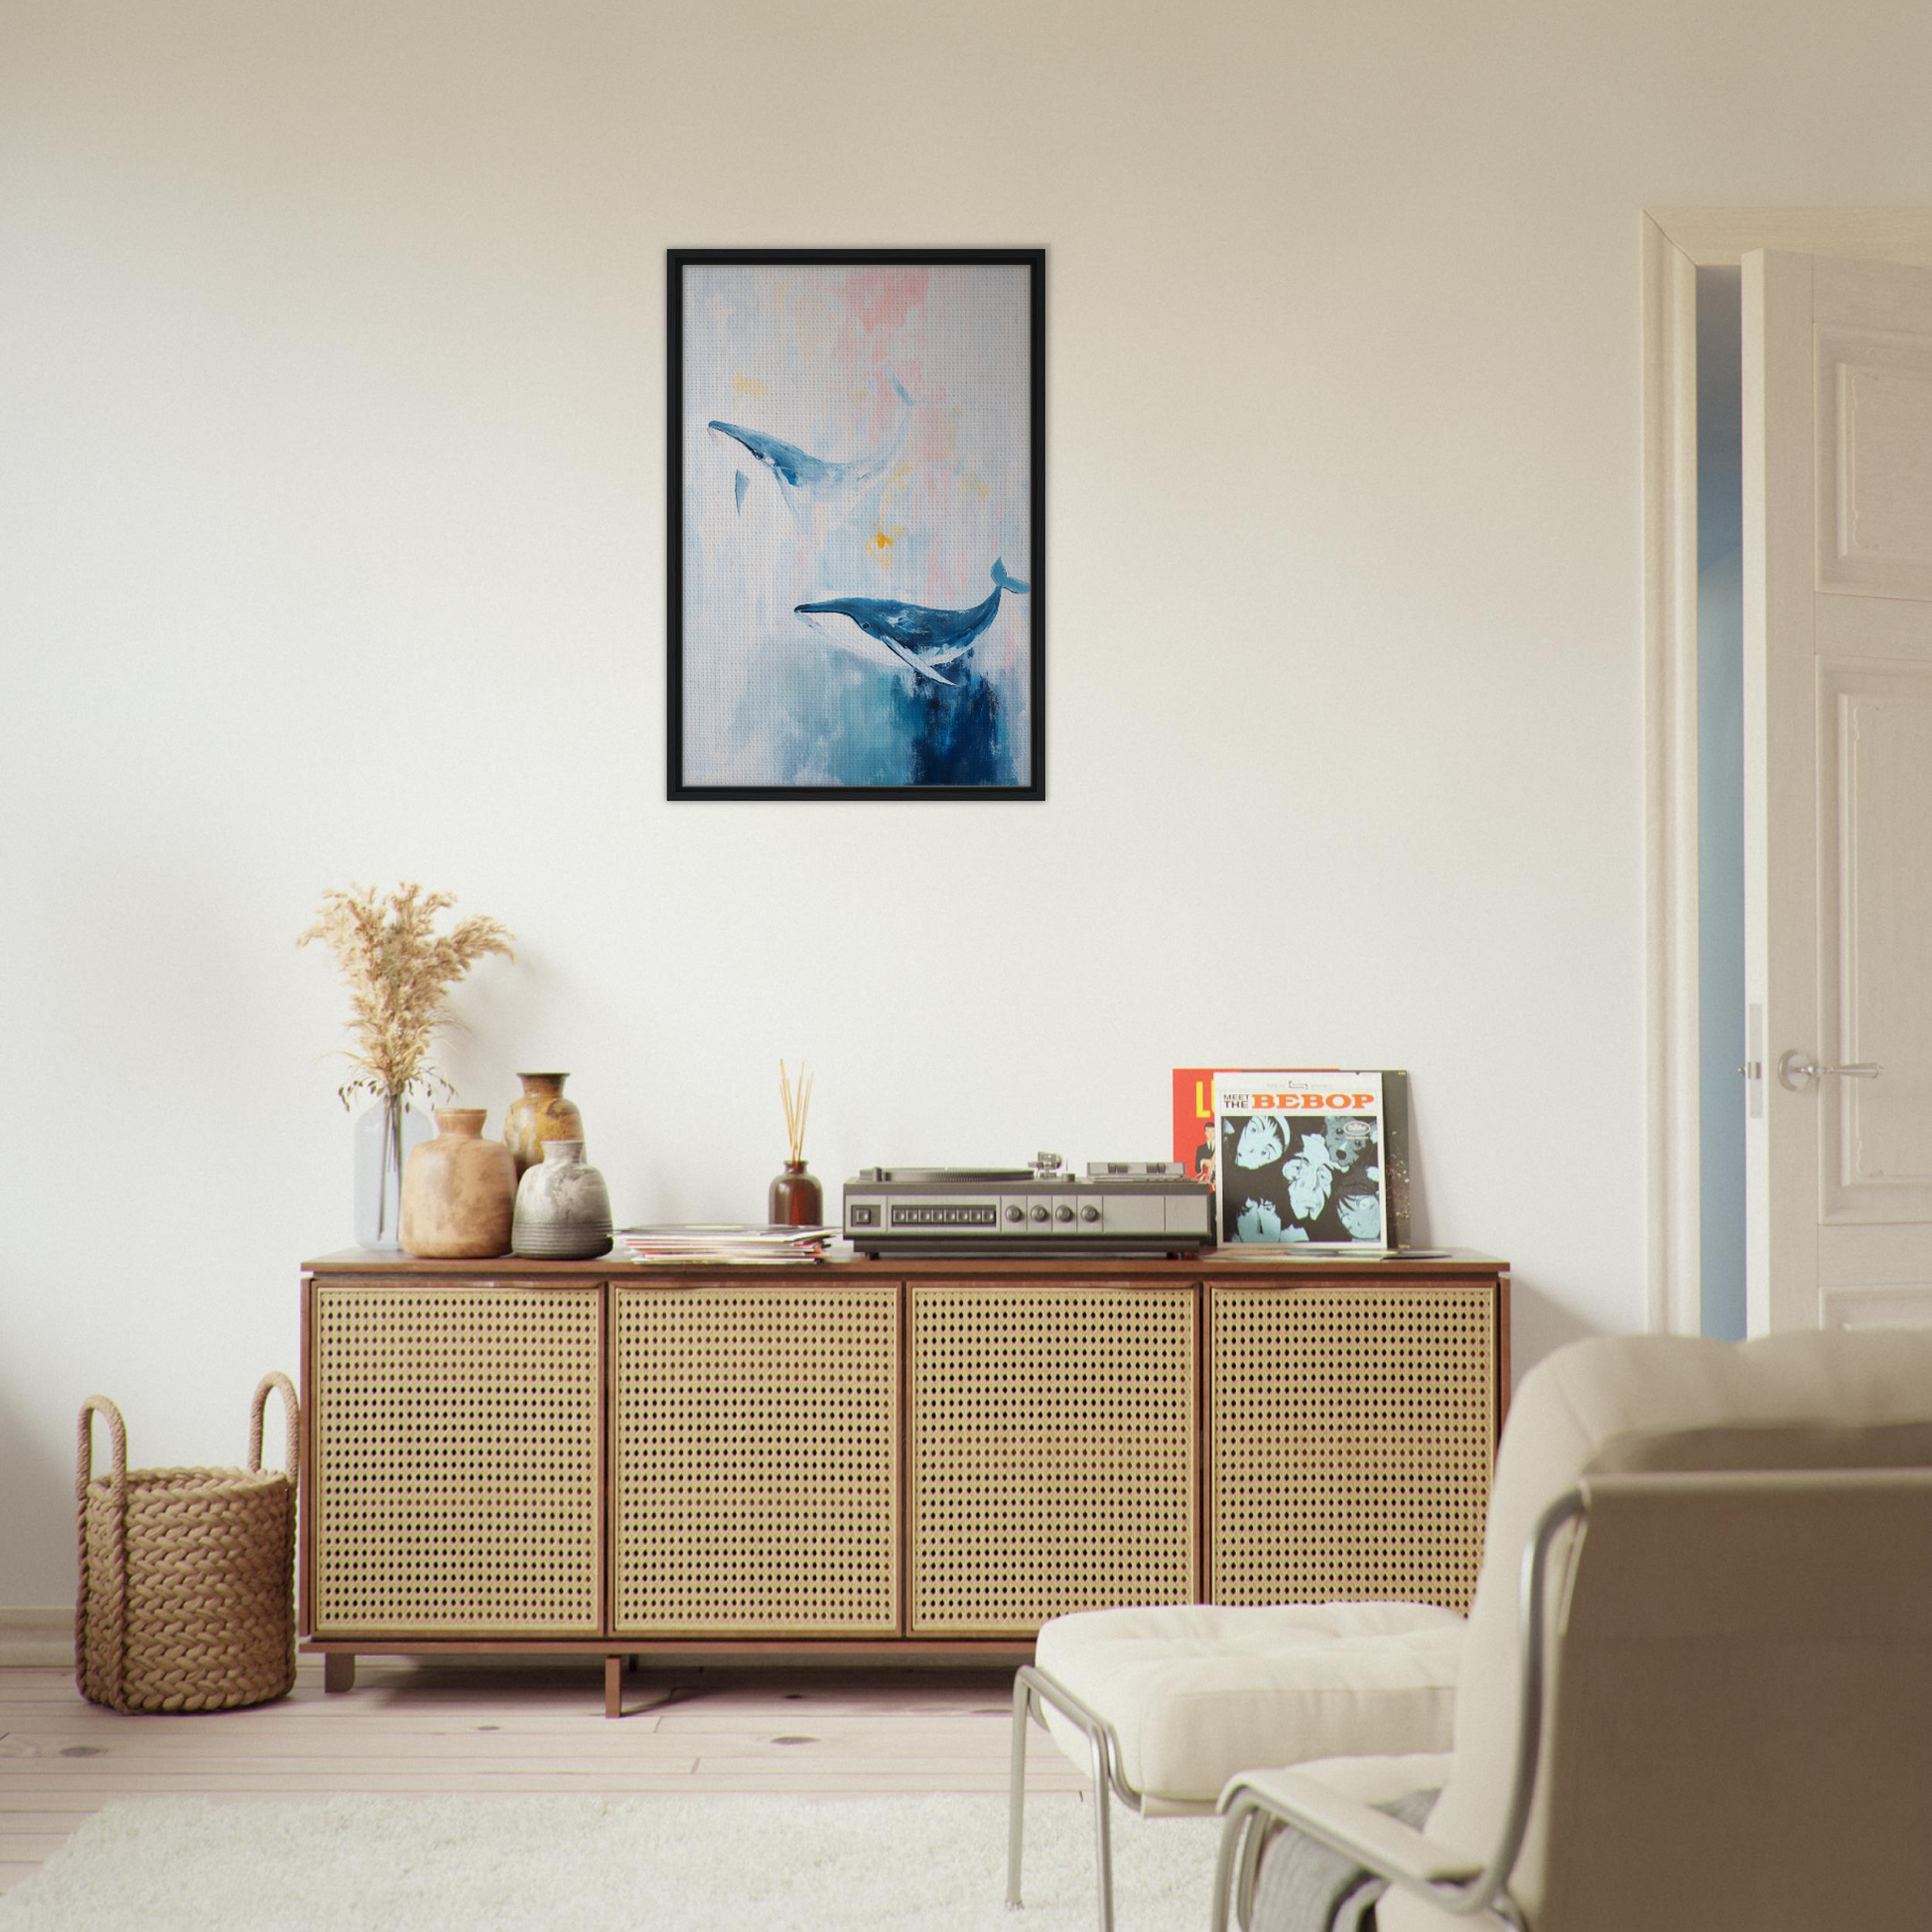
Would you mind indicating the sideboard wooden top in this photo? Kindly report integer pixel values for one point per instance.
(1217, 1264)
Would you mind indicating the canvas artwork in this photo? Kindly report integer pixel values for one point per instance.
(856, 524)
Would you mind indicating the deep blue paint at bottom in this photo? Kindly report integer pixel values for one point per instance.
(957, 733)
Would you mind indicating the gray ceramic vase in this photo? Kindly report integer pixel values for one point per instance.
(563, 1209)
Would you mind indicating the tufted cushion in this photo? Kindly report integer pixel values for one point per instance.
(1199, 1691)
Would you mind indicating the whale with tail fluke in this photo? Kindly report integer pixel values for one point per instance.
(921, 638)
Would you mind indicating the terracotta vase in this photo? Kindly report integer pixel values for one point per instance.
(563, 1209)
(540, 1114)
(459, 1191)
(795, 1199)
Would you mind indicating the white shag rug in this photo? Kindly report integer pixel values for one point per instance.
(755, 1863)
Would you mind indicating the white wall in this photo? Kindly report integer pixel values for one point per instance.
(332, 449)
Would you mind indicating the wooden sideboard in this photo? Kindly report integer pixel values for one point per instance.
(879, 1459)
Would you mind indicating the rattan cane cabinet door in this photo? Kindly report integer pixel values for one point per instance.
(1054, 1453)
(755, 1452)
(1351, 1440)
(456, 1483)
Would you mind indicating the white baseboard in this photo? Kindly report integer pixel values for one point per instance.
(40, 1635)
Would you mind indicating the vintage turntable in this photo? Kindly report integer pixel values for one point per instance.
(1127, 1208)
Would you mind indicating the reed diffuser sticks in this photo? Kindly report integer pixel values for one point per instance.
(798, 1104)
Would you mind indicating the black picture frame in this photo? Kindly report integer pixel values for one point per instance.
(970, 711)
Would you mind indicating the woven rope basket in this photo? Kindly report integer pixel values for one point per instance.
(186, 1576)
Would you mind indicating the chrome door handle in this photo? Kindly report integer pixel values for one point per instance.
(1797, 1069)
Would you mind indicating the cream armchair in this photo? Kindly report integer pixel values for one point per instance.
(1163, 1706)
(1696, 1692)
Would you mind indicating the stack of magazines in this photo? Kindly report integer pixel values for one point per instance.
(732, 1241)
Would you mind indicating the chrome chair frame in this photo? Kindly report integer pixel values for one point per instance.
(1032, 1689)
(1253, 1816)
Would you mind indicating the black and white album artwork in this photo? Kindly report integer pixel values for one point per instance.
(1302, 1177)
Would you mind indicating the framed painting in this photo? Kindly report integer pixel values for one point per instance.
(856, 514)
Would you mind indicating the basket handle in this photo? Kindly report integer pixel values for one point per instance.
(117, 1434)
(112, 1639)
(291, 1408)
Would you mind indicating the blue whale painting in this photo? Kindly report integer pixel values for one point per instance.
(834, 629)
(918, 636)
(801, 473)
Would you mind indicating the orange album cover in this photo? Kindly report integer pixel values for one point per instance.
(1194, 1112)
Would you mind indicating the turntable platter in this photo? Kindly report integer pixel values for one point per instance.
(939, 1174)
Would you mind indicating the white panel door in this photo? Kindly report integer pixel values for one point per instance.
(1837, 776)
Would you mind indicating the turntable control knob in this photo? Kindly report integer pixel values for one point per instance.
(1089, 1212)
(1039, 1214)
(1064, 1212)
(1015, 1212)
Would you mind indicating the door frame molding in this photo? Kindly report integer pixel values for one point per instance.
(1675, 243)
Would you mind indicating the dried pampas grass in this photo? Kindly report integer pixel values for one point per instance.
(398, 969)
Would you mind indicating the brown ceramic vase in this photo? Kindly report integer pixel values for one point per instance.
(539, 1114)
(459, 1191)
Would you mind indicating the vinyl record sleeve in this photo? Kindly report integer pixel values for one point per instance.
(1196, 1145)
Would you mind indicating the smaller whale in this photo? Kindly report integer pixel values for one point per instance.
(799, 472)
(916, 636)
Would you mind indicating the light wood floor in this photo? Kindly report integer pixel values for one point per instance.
(509, 1729)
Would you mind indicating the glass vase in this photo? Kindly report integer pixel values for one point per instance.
(795, 1199)
(384, 1135)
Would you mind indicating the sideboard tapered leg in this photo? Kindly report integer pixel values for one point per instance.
(613, 1687)
(338, 1670)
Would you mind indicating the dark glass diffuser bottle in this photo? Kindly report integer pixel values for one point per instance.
(796, 1200)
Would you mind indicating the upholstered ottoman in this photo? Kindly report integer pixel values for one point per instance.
(1165, 1704)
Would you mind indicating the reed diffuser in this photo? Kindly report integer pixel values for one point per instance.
(795, 1200)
